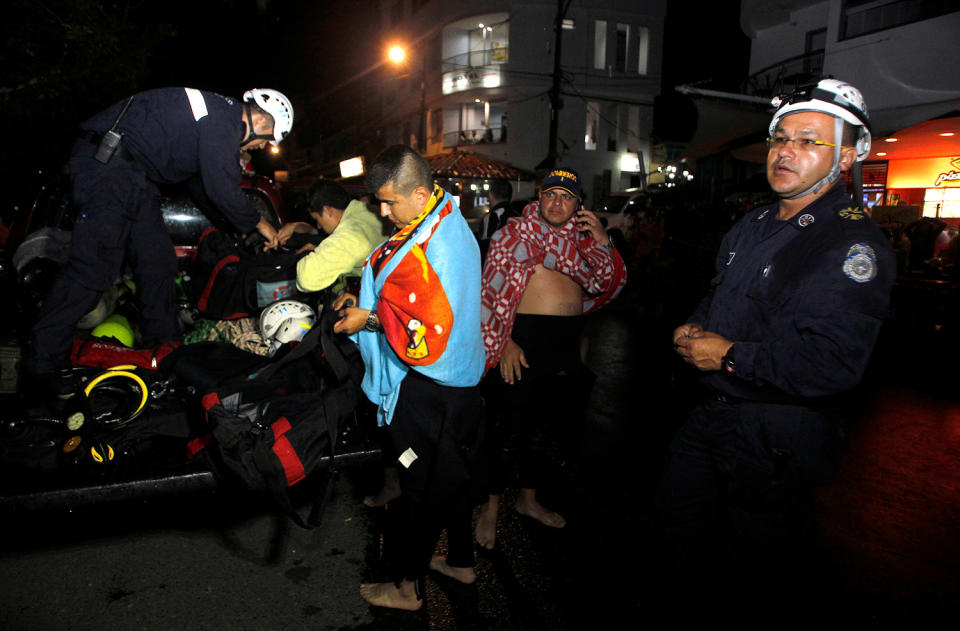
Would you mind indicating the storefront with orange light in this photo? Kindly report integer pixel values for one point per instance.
(917, 168)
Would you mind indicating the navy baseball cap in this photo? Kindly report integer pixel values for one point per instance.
(566, 179)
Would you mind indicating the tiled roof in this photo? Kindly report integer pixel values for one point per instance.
(460, 164)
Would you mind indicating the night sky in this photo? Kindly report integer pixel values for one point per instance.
(66, 59)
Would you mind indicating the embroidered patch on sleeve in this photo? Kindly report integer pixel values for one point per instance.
(860, 264)
(852, 213)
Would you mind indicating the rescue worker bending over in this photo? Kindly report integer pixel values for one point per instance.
(163, 136)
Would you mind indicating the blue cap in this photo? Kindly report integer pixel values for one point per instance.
(566, 179)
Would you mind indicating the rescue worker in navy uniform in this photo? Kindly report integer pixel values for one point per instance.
(801, 288)
(168, 135)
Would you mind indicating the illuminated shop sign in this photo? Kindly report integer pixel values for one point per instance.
(924, 173)
(459, 81)
(950, 176)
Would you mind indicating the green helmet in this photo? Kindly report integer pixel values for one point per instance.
(116, 327)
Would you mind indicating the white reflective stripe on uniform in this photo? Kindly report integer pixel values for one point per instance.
(197, 104)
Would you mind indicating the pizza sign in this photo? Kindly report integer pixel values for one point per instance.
(952, 175)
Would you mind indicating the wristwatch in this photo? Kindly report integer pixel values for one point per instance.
(373, 322)
(728, 362)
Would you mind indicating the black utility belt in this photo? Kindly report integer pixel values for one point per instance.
(769, 400)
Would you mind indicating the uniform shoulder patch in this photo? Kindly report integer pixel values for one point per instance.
(854, 214)
(860, 264)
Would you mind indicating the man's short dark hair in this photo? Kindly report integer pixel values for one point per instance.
(401, 166)
(327, 193)
(501, 189)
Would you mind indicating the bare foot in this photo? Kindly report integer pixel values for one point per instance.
(486, 531)
(532, 508)
(389, 595)
(465, 575)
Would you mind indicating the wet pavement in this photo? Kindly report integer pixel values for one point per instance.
(888, 554)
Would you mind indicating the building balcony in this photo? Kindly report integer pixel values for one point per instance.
(786, 76)
(472, 70)
(468, 137)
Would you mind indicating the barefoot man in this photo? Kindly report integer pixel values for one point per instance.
(417, 323)
(542, 273)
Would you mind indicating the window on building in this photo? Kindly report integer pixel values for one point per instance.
(813, 51)
(860, 17)
(593, 126)
(623, 44)
(942, 203)
(488, 44)
(474, 49)
(643, 45)
(612, 115)
(600, 44)
(475, 123)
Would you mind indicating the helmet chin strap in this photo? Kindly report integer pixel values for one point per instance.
(834, 173)
(248, 126)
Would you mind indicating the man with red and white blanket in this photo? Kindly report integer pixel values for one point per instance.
(543, 271)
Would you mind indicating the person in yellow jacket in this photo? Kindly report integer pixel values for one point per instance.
(353, 232)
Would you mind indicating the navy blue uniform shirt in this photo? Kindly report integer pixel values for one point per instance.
(802, 300)
(175, 134)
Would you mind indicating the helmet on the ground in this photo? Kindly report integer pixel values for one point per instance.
(832, 97)
(286, 321)
(277, 105)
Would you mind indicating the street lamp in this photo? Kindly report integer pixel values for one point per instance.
(397, 55)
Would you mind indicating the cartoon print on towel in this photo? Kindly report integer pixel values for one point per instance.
(415, 320)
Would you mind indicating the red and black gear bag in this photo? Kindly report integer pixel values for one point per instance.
(274, 443)
(231, 278)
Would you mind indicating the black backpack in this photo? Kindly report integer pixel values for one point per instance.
(230, 278)
(272, 442)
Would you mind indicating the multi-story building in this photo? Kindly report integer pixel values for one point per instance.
(480, 77)
(903, 55)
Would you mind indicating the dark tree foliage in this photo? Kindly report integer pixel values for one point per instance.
(63, 60)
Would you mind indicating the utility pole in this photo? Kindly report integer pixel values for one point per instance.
(555, 104)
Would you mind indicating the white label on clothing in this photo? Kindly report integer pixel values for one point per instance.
(407, 457)
(197, 104)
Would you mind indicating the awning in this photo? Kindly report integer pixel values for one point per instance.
(473, 165)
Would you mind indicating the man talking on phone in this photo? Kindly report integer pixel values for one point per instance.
(543, 271)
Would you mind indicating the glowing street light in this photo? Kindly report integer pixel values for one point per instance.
(397, 54)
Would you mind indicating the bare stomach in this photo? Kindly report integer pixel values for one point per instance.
(551, 293)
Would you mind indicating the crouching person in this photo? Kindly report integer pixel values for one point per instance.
(417, 323)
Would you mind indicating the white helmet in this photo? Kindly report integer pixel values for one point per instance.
(832, 97)
(275, 104)
(840, 100)
(286, 321)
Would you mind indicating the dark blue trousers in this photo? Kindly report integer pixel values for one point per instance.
(117, 219)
